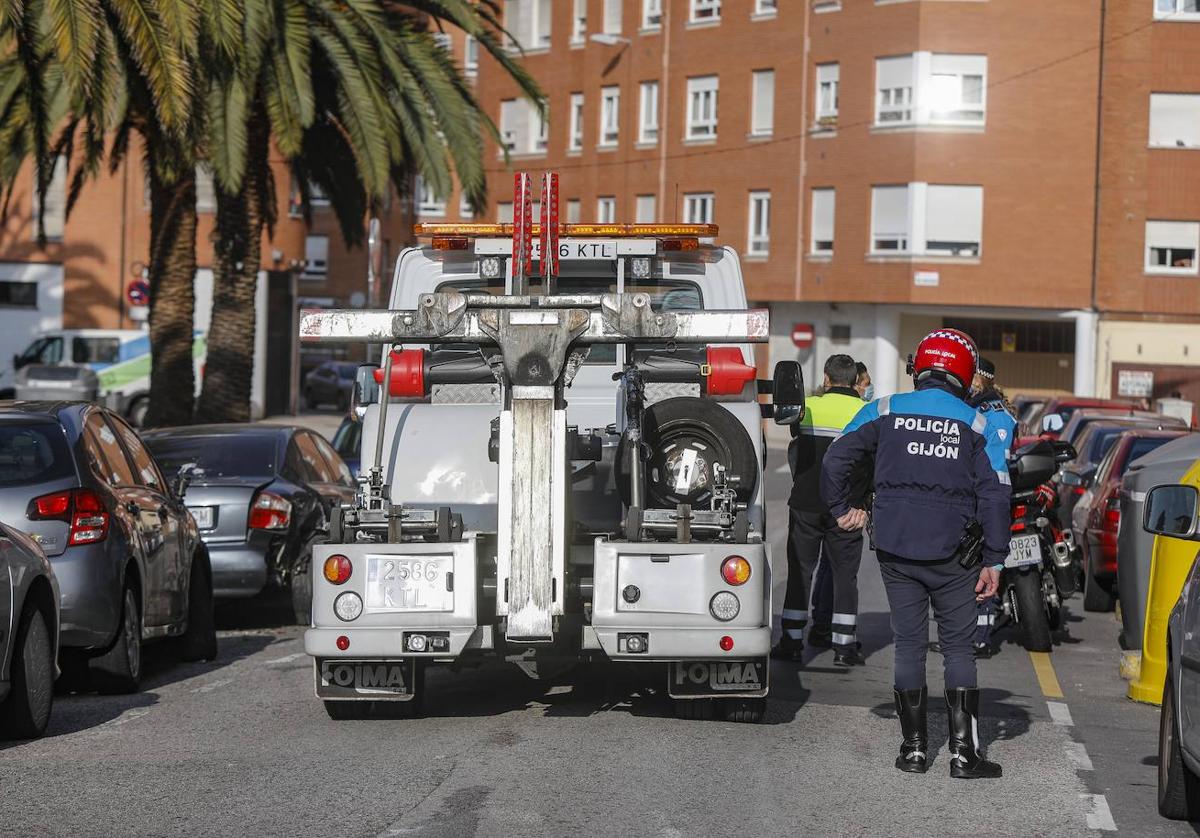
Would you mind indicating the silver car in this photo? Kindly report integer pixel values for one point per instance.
(28, 636)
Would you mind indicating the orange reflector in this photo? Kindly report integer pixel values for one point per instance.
(735, 570)
(449, 242)
(337, 569)
(680, 244)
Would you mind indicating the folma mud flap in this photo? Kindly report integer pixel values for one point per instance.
(718, 679)
(375, 680)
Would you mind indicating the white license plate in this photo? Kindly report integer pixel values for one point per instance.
(410, 583)
(1023, 550)
(205, 516)
(580, 249)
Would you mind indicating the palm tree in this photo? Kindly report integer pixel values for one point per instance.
(357, 96)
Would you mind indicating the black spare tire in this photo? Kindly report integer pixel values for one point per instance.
(686, 436)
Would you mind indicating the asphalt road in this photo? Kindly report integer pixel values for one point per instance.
(241, 747)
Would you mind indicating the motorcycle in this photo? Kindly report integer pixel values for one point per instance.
(1041, 569)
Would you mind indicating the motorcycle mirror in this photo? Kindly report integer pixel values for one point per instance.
(1052, 423)
(1171, 511)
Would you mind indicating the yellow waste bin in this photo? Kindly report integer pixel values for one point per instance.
(1169, 568)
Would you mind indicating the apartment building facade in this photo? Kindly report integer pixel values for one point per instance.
(889, 166)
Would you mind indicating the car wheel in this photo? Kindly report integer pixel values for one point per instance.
(302, 587)
(137, 412)
(1033, 624)
(199, 641)
(26, 711)
(1095, 596)
(1178, 787)
(119, 669)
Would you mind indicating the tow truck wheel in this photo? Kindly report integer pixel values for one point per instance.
(746, 710)
(695, 709)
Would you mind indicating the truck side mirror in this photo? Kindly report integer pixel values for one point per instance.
(1171, 511)
(1052, 423)
(366, 391)
(787, 388)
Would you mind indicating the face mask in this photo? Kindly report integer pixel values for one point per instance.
(869, 393)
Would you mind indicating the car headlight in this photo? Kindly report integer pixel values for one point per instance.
(724, 606)
(348, 606)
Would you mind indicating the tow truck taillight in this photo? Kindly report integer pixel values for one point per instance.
(270, 512)
(337, 569)
(82, 509)
(735, 570)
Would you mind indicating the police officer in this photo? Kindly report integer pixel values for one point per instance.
(931, 476)
(813, 533)
(989, 399)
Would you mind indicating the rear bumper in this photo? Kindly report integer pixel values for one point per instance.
(89, 587)
(238, 570)
(679, 644)
(388, 643)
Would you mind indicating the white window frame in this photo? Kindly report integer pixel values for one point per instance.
(766, 8)
(428, 204)
(443, 40)
(704, 11)
(606, 209)
(315, 268)
(464, 207)
(579, 23)
(574, 211)
(914, 241)
(828, 80)
(758, 235)
(699, 207)
(646, 205)
(902, 238)
(206, 192)
(1187, 141)
(1184, 229)
(762, 112)
(504, 212)
(55, 220)
(612, 22)
(648, 113)
(816, 222)
(539, 129)
(470, 57)
(651, 15)
(575, 138)
(894, 104)
(922, 200)
(609, 134)
(508, 127)
(1177, 12)
(702, 103)
(942, 89)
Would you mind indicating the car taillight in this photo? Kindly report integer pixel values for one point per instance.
(1078, 490)
(270, 512)
(82, 509)
(735, 570)
(1112, 514)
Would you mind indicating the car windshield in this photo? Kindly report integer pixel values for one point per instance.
(218, 455)
(33, 453)
(1101, 441)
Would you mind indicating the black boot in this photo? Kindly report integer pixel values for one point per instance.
(820, 637)
(848, 656)
(910, 707)
(788, 649)
(966, 761)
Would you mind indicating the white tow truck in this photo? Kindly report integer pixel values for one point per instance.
(561, 465)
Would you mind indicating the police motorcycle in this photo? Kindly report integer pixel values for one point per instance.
(1039, 572)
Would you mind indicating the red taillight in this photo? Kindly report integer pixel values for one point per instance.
(1078, 490)
(270, 512)
(337, 569)
(726, 643)
(735, 570)
(1018, 526)
(1019, 510)
(343, 642)
(1112, 514)
(82, 509)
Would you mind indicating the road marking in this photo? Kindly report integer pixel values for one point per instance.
(286, 658)
(213, 685)
(1099, 816)
(1078, 756)
(1060, 714)
(1047, 679)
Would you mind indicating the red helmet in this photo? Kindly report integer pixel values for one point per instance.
(950, 351)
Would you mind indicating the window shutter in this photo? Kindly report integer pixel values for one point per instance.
(889, 210)
(543, 23)
(894, 72)
(515, 22)
(1174, 119)
(645, 209)
(1172, 234)
(763, 120)
(612, 17)
(954, 213)
(823, 204)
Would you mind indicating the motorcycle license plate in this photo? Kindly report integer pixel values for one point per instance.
(1024, 550)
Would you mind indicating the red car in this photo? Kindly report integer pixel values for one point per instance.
(1064, 406)
(1097, 516)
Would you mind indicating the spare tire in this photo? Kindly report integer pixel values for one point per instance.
(686, 436)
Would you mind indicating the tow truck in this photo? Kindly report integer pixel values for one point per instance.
(562, 466)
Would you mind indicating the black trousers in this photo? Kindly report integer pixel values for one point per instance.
(815, 537)
(912, 586)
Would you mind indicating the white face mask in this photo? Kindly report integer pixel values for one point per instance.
(869, 392)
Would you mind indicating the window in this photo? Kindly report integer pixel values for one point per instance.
(539, 129)
(465, 210)
(927, 219)
(317, 197)
(765, 7)
(610, 115)
(206, 196)
(1171, 247)
(504, 212)
(443, 40)
(528, 23)
(705, 10)
(471, 57)
(574, 214)
(648, 113)
(759, 241)
(575, 140)
(606, 210)
(612, 17)
(316, 257)
(931, 89)
(821, 235)
(651, 14)
(1177, 9)
(827, 95)
(508, 124)
(55, 217)
(20, 294)
(762, 103)
(147, 472)
(428, 201)
(1175, 120)
(839, 332)
(646, 209)
(698, 208)
(893, 84)
(702, 108)
(522, 127)
(112, 463)
(95, 350)
(579, 22)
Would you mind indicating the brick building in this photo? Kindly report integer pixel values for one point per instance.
(1025, 170)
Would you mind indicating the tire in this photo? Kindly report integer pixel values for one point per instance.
(137, 412)
(1095, 597)
(744, 710)
(300, 584)
(1178, 787)
(686, 422)
(26, 711)
(199, 641)
(1033, 623)
(695, 709)
(118, 670)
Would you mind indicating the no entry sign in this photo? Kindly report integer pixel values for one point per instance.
(802, 335)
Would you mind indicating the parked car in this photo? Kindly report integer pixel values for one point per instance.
(261, 496)
(129, 561)
(330, 383)
(1096, 519)
(1076, 478)
(1025, 406)
(28, 635)
(1080, 420)
(348, 443)
(1064, 407)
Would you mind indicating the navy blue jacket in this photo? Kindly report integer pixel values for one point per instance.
(932, 474)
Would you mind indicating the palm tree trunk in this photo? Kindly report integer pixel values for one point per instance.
(225, 396)
(172, 299)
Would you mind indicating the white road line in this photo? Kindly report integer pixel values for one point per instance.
(286, 658)
(1060, 714)
(213, 685)
(1078, 756)
(1099, 816)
